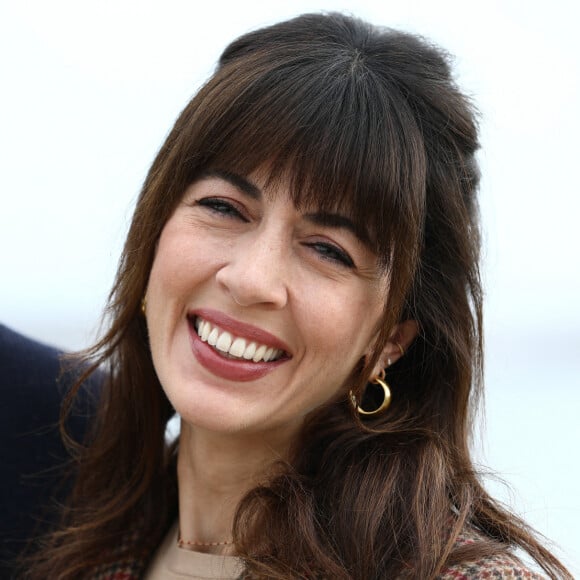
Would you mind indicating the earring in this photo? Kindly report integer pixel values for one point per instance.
(144, 306)
(378, 380)
(401, 349)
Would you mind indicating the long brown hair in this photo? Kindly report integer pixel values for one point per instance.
(371, 121)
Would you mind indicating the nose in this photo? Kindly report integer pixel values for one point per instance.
(256, 271)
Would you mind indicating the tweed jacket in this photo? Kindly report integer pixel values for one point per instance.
(499, 567)
(495, 568)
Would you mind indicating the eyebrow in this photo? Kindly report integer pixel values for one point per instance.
(236, 180)
(336, 220)
(325, 219)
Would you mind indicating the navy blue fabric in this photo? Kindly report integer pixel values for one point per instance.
(33, 458)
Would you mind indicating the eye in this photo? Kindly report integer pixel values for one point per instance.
(332, 253)
(222, 207)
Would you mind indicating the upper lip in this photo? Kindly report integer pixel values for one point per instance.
(239, 329)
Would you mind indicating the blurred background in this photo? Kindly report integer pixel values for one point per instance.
(90, 90)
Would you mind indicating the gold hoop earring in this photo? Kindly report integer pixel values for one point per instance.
(144, 306)
(401, 349)
(378, 380)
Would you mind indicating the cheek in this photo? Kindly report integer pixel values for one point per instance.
(177, 264)
(355, 316)
(167, 290)
(339, 324)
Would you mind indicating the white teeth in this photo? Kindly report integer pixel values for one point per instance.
(234, 346)
(238, 347)
(250, 351)
(213, 336)
(259, 354)
(224, 342)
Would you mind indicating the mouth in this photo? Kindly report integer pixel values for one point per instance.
(235, 347)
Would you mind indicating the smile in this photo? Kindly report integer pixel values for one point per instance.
(232, 349)
(235, 347)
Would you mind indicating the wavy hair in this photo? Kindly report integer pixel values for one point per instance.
(371, 121)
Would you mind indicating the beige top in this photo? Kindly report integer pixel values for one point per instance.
(170, 562)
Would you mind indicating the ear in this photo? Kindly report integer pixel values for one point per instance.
(399, 342)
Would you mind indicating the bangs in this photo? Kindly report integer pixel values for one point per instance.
(342, 138)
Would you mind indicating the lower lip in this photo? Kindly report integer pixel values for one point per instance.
(226, 368)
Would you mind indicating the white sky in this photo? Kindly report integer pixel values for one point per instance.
(90, 89)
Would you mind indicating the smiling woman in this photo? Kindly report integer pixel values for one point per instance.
(300, 284)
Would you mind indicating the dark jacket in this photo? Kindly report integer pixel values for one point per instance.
(33, 458)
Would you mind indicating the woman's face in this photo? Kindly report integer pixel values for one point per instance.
(258, 312)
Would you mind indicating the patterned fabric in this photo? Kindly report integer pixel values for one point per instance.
(120, 571)
(126, 569)
(500, 567)
(494, 568)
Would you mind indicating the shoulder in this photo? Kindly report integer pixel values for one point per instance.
(25, 361)
(128, 570)
(29, 440)
(31, 392)
(34, 459)
(124, 567)
(501, 566)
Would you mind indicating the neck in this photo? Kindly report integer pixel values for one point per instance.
(214, 472)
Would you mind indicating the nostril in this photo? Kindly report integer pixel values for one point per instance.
(249, 284)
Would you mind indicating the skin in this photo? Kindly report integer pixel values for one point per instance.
(236, 248)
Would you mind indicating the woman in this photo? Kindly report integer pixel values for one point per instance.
(304, 249)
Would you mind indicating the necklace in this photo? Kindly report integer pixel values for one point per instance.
(185, 543)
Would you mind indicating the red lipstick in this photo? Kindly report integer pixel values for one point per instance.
(227, 368)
